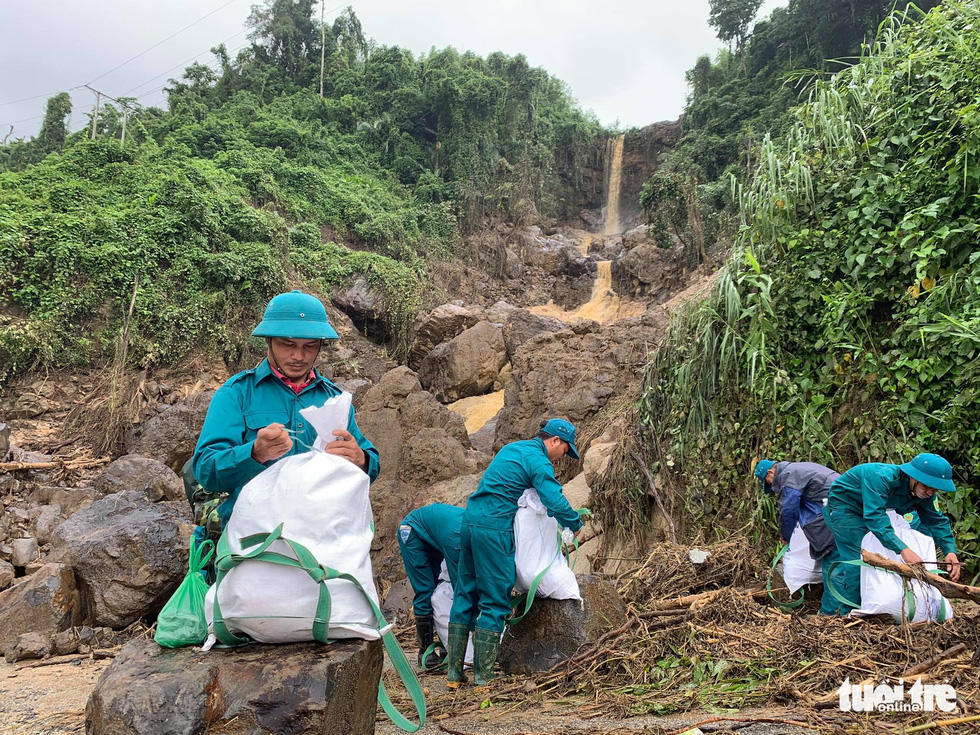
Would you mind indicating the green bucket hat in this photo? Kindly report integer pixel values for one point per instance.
(931, 470)
(295, 315)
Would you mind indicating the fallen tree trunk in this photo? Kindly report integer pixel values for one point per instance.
(78, 464)
(947, 587)
(687, 601)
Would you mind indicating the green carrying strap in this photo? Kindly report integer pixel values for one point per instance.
(200, 554)
(772, 568)
(307, 562)
(526, 599)
(908, 607)
(433, 647)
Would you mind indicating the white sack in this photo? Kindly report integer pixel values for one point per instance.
(325, 419)
(323, 503)
(884, 592)
(798, 567)
(537, 546)
(442, 605)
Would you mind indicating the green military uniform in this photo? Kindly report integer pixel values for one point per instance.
(857, 504)
(247, 402)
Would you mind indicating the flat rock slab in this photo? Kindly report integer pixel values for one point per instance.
(554, 630)
(296, 689)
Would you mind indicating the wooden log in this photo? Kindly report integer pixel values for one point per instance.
(78, 464)
(688, 600)
(947, 587)
(656, 495)
(929, 663)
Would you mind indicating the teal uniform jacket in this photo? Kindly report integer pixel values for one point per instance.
(856, 504)
(486, 557)
(427, 536)
(247, 402)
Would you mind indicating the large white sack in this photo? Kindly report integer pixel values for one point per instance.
(537, 545)
(442, 605)
(799, 568)
(884, 593)
(322, 501)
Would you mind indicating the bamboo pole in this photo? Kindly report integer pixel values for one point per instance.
(947, 587)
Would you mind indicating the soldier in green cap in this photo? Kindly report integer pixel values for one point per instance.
(857, 503)
(254, 418)
(486, 572)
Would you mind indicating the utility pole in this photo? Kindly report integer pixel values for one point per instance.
(122, 142)
(323, 44)
(95, 117)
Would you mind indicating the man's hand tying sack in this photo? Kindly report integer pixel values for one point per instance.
(346, 446)
(271, 443)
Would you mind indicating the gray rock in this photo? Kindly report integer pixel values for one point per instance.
(129, 555)
(25, 551)
(44, 520)
(28, 646)
(554, 630)
(357, 387)
(7, 575)
(46, 602)
(64, 643)
(498, 313)
(365, 305)
(482, 439)
(522, 325)
(438, 326)
(398, 601)
(513, 268)
(172, 435)
(148, 476)
(300, 689)
(465, 366)
(69, 499)
(4, 441)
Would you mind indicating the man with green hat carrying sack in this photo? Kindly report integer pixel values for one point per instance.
(857, 504)
(254, 418)
(486, 572)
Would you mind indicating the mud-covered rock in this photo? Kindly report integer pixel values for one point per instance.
(522, 325)
(171, 436)
(28, 646)
(365, 305)
(398, 601)
(554, 630)
(148, 476)
(129, 555)
(438, 326)
(44, 519)
(46, 602)
(7, 575)
(300, 689)
(465, 366)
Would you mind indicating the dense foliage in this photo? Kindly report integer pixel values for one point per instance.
(846, 326)
(747, 92)
(251, 181)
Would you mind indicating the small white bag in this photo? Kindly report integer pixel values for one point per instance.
(799, 568)
(885, 592)
(537, 548)
(322, 504)
(442, 605)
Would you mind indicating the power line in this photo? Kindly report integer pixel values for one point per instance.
(182, 64)
(162, 42)
(37, 96)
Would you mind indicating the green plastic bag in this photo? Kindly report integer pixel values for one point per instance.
(182, 622)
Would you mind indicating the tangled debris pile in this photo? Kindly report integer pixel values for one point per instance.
(719, 646)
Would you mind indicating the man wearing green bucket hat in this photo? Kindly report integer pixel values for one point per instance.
(254, 418)
(857, 504)
(486, 572)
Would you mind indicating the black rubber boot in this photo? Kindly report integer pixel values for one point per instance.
(486, 648)
(425, 629)
(459, 636)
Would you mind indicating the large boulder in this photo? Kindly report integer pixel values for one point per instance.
(46, 602)
(300, 689)
(365, 305)
(554, 630)
(129, 555)
(651, 270)
(171, 436)
(438, 326)
(574, 373)
(148, 476)
(522, 325)
(465, 366)
(433, 455)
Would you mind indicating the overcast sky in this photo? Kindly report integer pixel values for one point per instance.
(623, 59)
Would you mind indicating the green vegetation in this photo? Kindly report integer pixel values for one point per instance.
(251, 182)
(846, 325)
(744, 94)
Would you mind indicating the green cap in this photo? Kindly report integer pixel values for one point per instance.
(564, 431)
(761, 470)
(295, 315)
(931, 470)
